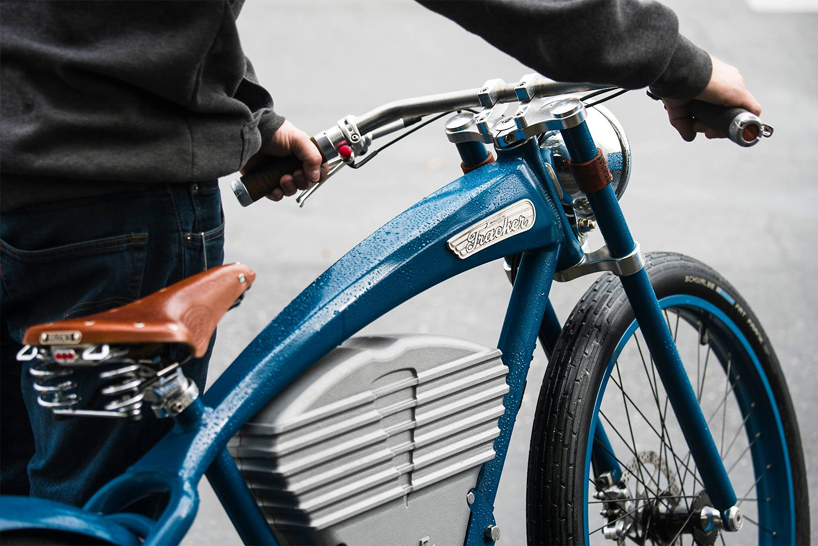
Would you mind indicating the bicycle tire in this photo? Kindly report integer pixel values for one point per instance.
(578, 391)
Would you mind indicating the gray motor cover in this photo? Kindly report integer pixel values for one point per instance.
(378, 443)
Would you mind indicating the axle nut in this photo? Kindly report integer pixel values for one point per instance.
(732, 519)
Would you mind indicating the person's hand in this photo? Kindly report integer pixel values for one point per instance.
(726, 88)
(290, 140)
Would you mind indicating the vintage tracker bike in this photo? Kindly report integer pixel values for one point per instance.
(664, 417)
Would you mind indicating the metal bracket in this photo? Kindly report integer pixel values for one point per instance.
(601, 260)
(352, 135)
(488, 93)
(525, 88)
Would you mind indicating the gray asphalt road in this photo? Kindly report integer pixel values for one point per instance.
(750, 214)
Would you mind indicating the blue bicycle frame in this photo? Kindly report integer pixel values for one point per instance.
(402, 259)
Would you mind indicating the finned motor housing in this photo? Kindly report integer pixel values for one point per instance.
(384, 436)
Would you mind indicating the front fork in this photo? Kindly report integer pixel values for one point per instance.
(658, 337)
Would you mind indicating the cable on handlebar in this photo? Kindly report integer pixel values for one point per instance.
(604, 99)
(402, 136)
(371, 155)
(597, 93)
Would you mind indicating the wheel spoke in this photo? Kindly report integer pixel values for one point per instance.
(723, 400)
(704, 373)
(716, 411)
(766, 469)
(630, 425)
(757, 524)
(659, 497)
(655, 389)
(676, 457)
(646, 486)
(683, 526)
(738, 431)
(615, 520)
(743, 453)
(724, 406)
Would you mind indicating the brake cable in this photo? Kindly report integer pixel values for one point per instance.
(423, 124)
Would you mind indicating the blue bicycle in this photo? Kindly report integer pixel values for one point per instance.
(664, 417)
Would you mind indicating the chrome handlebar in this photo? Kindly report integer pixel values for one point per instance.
(353, 129)
(352, 135)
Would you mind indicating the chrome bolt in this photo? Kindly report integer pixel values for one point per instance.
(242, 278)
(582, 204)
(470, 497)
(493, 533)
(586, 225)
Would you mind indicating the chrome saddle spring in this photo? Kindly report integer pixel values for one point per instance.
(124, 386)
(55, 391)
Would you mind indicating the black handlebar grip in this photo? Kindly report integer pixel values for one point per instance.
(265, 177)
(742, 127)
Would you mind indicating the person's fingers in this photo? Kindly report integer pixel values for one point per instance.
(305, 150)
(750, 103)
(301, 181)
(680, 119)
(685, 128)
(276, 195)
(699, 127)
(324, 172)
(287, 185)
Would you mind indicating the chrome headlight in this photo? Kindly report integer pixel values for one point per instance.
(609, 137)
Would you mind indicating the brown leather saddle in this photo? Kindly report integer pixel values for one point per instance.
(186, 312)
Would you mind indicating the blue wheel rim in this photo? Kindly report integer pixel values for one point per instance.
(776, 517)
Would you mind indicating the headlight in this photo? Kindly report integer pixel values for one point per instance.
(609, 137)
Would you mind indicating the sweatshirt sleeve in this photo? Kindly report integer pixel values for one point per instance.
(627, 43)
(261, 103)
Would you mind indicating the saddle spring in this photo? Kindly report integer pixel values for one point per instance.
(129, 377)
(56, 372)
(55, 390)
(124, 385)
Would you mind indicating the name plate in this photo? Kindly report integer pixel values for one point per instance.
(505, 223)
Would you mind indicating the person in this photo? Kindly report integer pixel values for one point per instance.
(119, 117)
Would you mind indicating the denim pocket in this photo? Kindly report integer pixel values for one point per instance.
(71, 280)
(207, 206)
(204, 250)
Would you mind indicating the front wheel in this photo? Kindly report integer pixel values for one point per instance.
(601, 382)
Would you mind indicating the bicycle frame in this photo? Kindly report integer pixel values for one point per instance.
(400, 260)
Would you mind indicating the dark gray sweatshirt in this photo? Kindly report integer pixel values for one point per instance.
(96, 94)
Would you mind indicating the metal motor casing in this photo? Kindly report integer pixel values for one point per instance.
(378, 443)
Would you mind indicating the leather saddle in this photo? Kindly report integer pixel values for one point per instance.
(186, 312)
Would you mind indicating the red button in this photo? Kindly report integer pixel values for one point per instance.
(345, 151)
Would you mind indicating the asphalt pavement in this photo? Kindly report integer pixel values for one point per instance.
(748, 213)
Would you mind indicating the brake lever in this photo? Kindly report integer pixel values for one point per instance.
(334, 166)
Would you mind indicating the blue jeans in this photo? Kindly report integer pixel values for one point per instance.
(79, 257)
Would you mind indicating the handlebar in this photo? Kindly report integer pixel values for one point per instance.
(356, 133)
(742, 127)
(263, 179)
